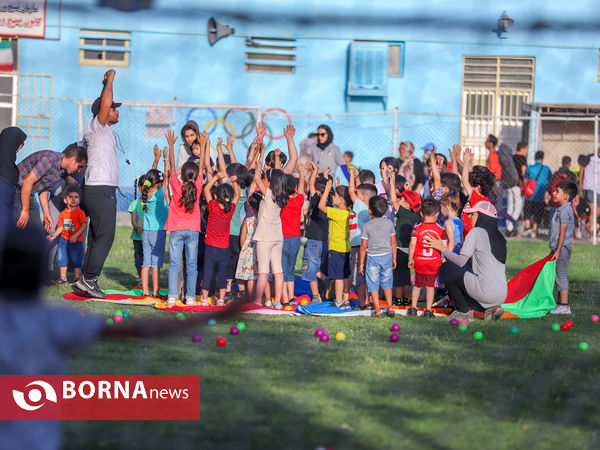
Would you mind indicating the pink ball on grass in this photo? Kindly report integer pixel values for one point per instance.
(454, 322)
(118, 319)
(234, 331)
(594, 318)
(394, 337)
(319, 332)
(396, 327)
(464, 322)
(324, 338)
(197, 337)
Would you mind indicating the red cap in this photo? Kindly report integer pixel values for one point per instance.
(413, 199)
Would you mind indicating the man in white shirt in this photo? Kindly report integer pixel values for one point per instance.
(101, 181)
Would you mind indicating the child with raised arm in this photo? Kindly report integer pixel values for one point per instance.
(246, 266)
(291, 217)
(338, 257)
(183, 223)
(359, 216)
(221, 206)
(71, 225)
(479, 184)
(407, 206)
(561, 223)
(316, 233)
(379, 249)
(426, 261)
(450, 207)
(155, 201)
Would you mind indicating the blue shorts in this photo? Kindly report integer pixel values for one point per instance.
(338, 265)
(154, 247)
(379, 272)
(291, 246)
(69, 254)
(315, 253)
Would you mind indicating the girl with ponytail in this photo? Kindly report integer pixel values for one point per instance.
(155, 201)
(183, 223)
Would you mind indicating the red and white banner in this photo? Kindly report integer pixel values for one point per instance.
(24, 18)
(100, 397)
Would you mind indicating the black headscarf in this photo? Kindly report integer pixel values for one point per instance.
(329, 137)
(11, 139)
(497, 241)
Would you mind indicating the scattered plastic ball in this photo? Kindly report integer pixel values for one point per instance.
(478, 335)
(462, 327)
(118, 319)
(394, 337)
(288, 308)
(126, 315)
(514, 330)
(324, 338)
(234, 331)
(304, 301)
(454, 322)
(395, 327)
(339, 336)
(221, 342)
(464, 322)
(241, 326)
(110, 321)
(594, 318)
(180, 316)
(212, 321)
(197, 337)
(555, 327)
(118, 312)
(570, 323)
(584, 346)
(564, 327)
(319, 332)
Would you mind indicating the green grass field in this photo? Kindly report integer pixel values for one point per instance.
(276, 386)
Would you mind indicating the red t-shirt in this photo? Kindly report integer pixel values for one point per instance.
(71, 222)
(494, 164)
(475, 198)
(427, 260)
(217, 228)
(180, 219)
(291, 216)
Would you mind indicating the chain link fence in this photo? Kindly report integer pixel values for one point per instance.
(53, 123)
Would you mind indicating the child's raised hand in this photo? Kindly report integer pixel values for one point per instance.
(233, 179)
(289, 131)
(171, 138)
(337, 181)
(468, 155)
(261, 130)
(165, 152)
(326, 173)
(156, 151)
(203, 138)
(310, 166)
(220, 144)
(229, 144)
(301, 168)
(456, 152)
(329, 184)
(353, 172)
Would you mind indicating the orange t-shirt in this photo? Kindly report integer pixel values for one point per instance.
(475, 198)
(494, 164)
(71, 222)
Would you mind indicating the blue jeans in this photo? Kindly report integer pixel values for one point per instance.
(315, 254)
(379, 272)
(153, 243)
(177, 241)
(291, 246)
(69, 253)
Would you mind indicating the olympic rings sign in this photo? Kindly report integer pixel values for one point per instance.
(214, 123)
(282, 111)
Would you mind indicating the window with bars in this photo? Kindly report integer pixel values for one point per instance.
(104, 48)
(270, 55)
(497, 85)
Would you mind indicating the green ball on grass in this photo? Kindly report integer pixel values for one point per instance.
(555, 327)
(478, 335)
(109, 321)
(462, 327)
(180, 316)
(584, 346)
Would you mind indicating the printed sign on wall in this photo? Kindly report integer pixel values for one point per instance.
(24, 18)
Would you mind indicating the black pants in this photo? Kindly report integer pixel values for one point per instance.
(138, 254)
(234, 254)
(216, 260)
(101, 208)
(453, 277)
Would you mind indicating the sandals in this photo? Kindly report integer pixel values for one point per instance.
(277, 305)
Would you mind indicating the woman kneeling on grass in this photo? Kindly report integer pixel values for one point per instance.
(481, 287)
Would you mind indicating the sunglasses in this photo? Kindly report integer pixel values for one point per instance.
(322, 134)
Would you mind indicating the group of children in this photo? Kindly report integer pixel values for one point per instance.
(242, 222)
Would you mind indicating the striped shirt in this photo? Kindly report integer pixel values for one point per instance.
(46, 165)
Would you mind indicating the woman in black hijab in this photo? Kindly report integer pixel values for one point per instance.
(325, 153)
(482, 287)
(11, 141)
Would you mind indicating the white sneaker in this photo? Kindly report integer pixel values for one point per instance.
(561, 309)
(204, 302)
(269, 304)
(220, 302)
(190, 302)
(171, 302)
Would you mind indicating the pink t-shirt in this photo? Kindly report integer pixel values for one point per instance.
(180, 219)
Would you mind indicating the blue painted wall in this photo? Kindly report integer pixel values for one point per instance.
(170, 55)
